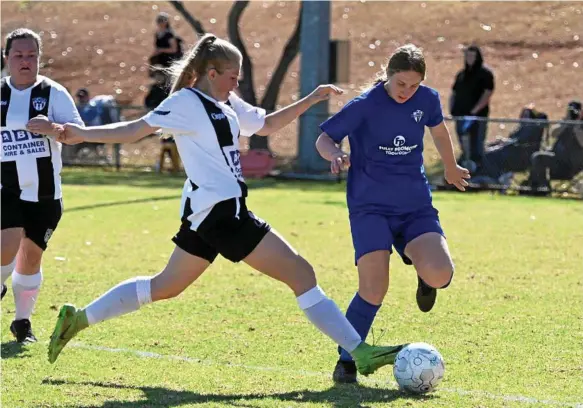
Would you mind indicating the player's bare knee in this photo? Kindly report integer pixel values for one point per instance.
(437, 276)
(303, 278)
(373, 295)
(30, 257)
(165, 288)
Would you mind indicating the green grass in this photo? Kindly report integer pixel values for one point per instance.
(509, 327)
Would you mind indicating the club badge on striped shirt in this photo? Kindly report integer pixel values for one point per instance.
(39, 103)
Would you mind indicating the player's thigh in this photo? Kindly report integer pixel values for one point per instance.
(431, 258)
(373, 276)
(41, 220)
(275, 257)
(180, 272)
(10, 241)
(370, 233)
(12, 222)
(372, 239)
(239, 235)
(191, 257)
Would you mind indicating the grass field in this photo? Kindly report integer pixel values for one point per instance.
(509, 327)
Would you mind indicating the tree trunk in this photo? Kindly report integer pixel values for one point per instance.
(194, 23)
(246, 85)
(291, 50)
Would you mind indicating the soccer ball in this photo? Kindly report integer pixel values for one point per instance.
(418, 368)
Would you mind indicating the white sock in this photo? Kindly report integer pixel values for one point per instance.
(327, 317)
(124, 298)
(25, 289)
(7, 270)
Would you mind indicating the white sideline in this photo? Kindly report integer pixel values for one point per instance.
(473, 393)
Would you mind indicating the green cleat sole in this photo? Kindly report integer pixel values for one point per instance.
(64, 320)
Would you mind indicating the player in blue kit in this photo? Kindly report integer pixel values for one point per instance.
(388, 196)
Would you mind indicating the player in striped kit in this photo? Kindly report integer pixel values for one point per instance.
(31, 166)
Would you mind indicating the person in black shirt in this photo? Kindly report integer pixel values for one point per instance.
(159, 90)
(471, 93)
(167, 45)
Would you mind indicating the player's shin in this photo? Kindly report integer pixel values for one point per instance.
(327, 317)
(122, 299)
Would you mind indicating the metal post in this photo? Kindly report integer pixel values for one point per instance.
(314, 48)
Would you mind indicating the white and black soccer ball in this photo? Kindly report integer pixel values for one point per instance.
(418, 368)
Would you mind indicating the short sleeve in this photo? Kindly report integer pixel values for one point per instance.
(176, 114)
(344, 122)
(251, 118)
(64, 109)
(488, 80)
(436, 116)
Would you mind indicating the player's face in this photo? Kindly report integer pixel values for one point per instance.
(402, 85)
(225, 81)
(23, 60)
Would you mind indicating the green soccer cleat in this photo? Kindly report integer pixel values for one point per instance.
(70, 322)
(369, 358)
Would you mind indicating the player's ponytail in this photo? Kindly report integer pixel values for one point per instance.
(208, 51)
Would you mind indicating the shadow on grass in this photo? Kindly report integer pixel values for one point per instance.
(134, 178)
(342, 396)
(14, 349)
(123, 202)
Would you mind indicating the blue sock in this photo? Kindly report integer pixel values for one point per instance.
(360, 314)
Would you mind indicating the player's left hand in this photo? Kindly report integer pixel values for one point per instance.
(457, 176)
(42, 125)
(324, 92)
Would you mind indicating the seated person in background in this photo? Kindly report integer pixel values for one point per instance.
(564, 160)
(512, 154)
(159, 90)
(96, 111)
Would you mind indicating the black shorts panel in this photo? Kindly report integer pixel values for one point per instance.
(38, 219)
(189, 241)
(230, 229)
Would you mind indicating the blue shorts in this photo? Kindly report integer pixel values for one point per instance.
(375, 232)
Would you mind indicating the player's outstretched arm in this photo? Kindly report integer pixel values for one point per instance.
(121, 132)
(278, 119)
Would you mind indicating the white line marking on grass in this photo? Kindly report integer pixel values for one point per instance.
(472, 393)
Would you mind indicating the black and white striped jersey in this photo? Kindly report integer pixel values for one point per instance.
(31, 163)
(207, 137)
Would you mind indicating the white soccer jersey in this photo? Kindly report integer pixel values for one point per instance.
(207, 137)
(31, 163)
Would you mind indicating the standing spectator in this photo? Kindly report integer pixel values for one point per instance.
(159, 90)
(167, 45)
(471, 93)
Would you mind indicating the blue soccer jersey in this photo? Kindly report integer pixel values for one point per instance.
(386, 149)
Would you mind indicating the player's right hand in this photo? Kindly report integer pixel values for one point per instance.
(71, 134)
(340, 162)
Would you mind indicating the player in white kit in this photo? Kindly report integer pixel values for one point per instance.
(31, 166)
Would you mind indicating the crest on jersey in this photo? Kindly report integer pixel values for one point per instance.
(39, 103)
(417, 115)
